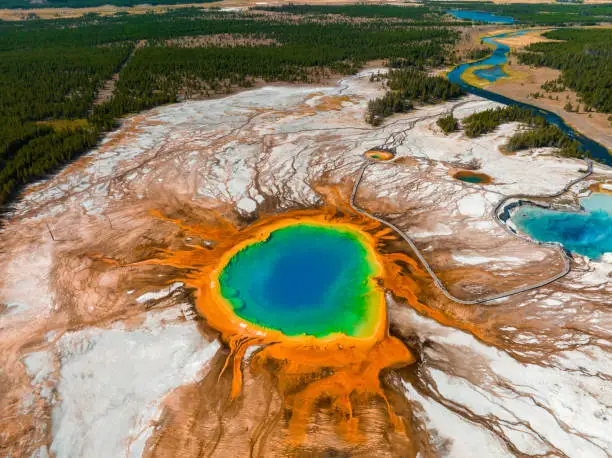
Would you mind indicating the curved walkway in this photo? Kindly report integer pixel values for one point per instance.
(436, 279)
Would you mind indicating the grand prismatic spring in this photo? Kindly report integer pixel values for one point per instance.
(306, 291)
(306, 280)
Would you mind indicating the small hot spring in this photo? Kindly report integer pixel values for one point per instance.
(589, 233)
(381, 154)
(472, 177)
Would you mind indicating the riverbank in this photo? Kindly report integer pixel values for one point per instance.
(473, 78)
(526, 81)
(511, 74)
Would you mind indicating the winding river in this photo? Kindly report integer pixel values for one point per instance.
(500, 57)
(586, 232)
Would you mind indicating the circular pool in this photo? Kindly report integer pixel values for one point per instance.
(306, 279)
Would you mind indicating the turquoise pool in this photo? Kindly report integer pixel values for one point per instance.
(589, 233)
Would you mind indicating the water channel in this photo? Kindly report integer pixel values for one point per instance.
(495, 62)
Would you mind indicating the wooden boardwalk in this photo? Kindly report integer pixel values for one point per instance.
(495, 214)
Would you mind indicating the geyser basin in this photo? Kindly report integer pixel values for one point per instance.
(306, 278)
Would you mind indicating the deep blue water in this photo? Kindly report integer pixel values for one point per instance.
(589, 233)
(304, 279)
(481, 16)
(499, 57)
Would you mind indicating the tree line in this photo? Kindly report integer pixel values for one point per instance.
(46, 84)
(585, 60)
(541, 134)
(547, 14)
(420, 13)
(545, 136)
(52, 70)
(487, 121)
(92, 29)
(408, 86)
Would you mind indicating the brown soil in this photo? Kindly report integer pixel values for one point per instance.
(599, 187)
(471, 36)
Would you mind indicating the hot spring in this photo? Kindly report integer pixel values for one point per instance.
(306, 279)
(588, 233)
(472, 177)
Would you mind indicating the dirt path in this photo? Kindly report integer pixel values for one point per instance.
(106, 91)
